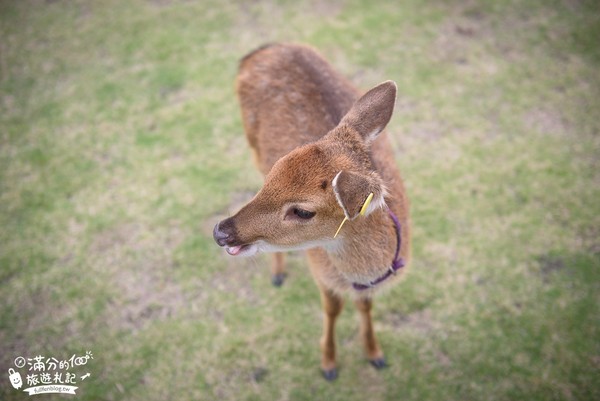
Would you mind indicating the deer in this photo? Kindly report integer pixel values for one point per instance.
(331, 184)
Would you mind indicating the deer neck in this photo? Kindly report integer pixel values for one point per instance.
(366, 248)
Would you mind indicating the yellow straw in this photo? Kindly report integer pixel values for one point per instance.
(365, 205)
(363, 210)
(340, 227)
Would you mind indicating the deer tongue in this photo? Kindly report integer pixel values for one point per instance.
(233, 250)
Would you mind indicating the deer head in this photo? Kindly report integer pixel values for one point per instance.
(308, 192)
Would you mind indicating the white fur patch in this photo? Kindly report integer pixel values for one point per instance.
(378, 202)
(331, 245)
(328, 244)
(371, 136)
(337, 195)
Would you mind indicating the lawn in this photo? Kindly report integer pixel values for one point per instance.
(121, 145)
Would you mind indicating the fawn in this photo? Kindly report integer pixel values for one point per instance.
(326, 161)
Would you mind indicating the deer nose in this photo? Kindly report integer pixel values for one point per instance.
(223, 232)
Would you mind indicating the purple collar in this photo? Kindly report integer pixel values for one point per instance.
(397, 263)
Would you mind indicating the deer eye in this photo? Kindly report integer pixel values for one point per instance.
(300, 214)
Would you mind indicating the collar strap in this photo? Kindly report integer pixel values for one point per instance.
(396, 265)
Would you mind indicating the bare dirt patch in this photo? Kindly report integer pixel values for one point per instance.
(147, 296)
(468, 26)
(456, 35)
(419, 322)
(329, 9)
(548, 122)
(139, 263)
(236, 277)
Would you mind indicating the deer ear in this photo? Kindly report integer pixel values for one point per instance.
(373, 111)
(352, 190)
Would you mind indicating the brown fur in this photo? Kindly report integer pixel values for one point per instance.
(305, 125)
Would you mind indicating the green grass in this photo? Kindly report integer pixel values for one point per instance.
(121, 145)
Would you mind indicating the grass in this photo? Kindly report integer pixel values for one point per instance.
(121, 145)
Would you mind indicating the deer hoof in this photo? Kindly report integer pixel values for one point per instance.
(330, 375)
(278, 279)
(379, 363)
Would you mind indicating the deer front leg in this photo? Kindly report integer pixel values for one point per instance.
(374, 353)
(278, 269)
(332, 306)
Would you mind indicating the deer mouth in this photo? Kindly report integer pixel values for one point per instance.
(242, 250)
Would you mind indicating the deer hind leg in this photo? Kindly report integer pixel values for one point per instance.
(332, 306)
(367, 333)
(278, 269)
